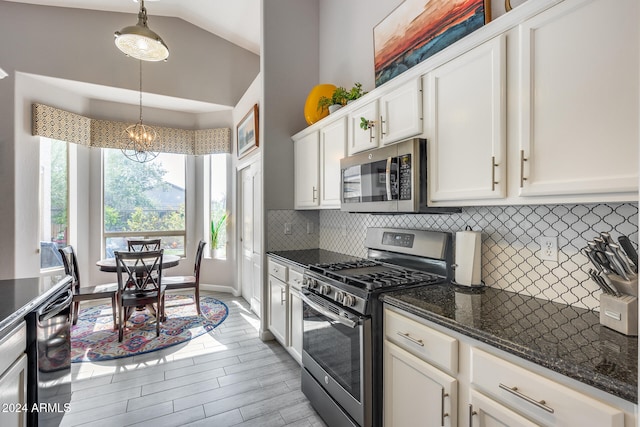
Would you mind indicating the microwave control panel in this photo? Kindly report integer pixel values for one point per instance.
(404, 177)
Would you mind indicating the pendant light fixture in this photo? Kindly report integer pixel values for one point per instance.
(138, 140)
(139, 42)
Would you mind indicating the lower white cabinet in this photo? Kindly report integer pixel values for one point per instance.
(414, 390)
(486, 412)
(295, 324)
(434, 376)
(278, 291)
(13, 379)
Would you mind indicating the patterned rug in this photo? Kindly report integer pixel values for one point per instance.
(93, 337)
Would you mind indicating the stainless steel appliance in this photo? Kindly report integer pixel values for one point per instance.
(49, 359)
(388, 179)
(342, 326)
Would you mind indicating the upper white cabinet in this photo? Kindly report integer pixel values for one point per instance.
(401, 112)
(579, 93)
(466, 125)
(333, 142)
(317, 166)
(306, 170)
(363, 139)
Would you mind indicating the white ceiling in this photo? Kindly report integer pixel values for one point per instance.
(235, 20)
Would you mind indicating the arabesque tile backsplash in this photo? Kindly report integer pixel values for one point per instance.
(510, 247)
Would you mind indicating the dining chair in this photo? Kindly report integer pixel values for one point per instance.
(140, 245)
(85, 293)
(139, 284)
(186, 282)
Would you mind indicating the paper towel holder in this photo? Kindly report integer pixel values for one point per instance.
(468, 248)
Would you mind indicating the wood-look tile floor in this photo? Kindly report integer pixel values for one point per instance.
(224, 378)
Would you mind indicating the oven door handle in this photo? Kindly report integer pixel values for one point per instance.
(54, 308)
(342, 320)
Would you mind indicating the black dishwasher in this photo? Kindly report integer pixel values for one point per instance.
(49, 359)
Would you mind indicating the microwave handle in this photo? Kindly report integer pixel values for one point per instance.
(388, 180)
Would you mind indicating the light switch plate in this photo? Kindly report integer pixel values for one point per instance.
(287, 228)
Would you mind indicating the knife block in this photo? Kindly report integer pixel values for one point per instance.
(629, 287)
(619, 313)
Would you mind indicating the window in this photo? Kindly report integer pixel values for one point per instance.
(218, 209)
(144, 200)
(54, 201)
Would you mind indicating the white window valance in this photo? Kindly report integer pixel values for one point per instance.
(63, 125)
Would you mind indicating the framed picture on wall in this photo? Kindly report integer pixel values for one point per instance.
(418, 29)
(247, 132)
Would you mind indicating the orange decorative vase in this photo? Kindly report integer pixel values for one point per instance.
(311, 112)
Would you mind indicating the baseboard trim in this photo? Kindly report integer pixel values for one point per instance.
(220, 288)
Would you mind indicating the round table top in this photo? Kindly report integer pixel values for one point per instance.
(109, 264)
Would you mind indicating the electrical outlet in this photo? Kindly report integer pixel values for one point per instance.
(309, 228)
(549, 248)
(287, 228)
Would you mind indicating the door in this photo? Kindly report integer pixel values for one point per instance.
(250, 235)
(360, 139)
(466, 125)
(278, 309)
(486, 412)
(415, 390)
(306, 171)
(579, 115)
(401, 112)
(333, 143)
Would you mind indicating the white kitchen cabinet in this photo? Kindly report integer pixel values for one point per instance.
(414, 390)
(486, 412)
(401, 112)
(579, 90)
(466, 125)
(306, 171)
(295, 315)
(13, 377)
(333, 144)
(278, 291)
(360, 139)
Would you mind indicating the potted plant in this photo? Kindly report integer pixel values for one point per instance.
(355, 92)
(338, 99)
(216, 227)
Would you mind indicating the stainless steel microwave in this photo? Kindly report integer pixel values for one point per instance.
(391, 179)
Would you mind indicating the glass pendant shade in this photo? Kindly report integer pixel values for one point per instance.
(138, 41)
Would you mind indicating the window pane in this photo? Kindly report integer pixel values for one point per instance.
(219, 205)
(145, 198)
(53, 201)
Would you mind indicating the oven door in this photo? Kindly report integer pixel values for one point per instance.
(336, 345)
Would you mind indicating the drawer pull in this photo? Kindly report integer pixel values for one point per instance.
(471, 414)
(410, 338)
(442, 413)
(540, 404)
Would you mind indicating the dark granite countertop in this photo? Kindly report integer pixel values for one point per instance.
(20, 296)
(564, 339)
(306, 257)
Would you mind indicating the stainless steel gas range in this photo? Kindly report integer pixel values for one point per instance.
(342, 327)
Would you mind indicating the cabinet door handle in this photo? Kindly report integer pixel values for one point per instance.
(315, 191)
(283, 296)
(382, 122)
(442, 413)
(522, 160)
(410, 338)
(493, 173)
(371, 137)
(471, 414)
(539, 403)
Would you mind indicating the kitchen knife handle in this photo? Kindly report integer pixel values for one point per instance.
(629, 250)
(522, 160)
(493, 173)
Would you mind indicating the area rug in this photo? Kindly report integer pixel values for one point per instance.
(93, 337)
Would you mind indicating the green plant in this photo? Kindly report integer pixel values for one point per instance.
(366, 124)
(216, 227)
(339, 96)
(355, 92)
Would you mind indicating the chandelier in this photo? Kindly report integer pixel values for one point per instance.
(138, 140)
(139, 42)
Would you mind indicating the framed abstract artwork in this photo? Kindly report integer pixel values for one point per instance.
(418, 29)
(247, 132)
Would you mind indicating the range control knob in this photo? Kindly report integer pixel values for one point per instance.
(339, 296)
(311, 283)
(325, 289)
(349, 300)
